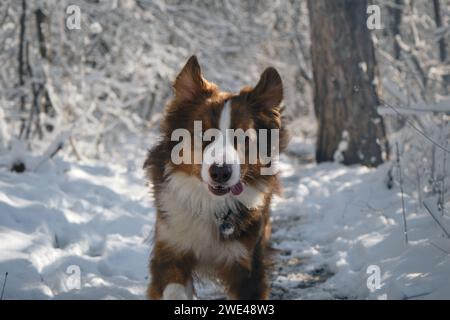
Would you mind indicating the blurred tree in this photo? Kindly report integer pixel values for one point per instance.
(396, 12)
(438, 20)
(21, 68)
(345, 78)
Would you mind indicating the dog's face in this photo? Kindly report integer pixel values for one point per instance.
(226, 140)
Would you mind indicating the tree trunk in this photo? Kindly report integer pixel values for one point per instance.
(397, 13)
(345, 78)
(438, 20)
(20, 65)
(42, 19)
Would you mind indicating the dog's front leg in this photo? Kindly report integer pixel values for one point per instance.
(171, 274)
(247, 281)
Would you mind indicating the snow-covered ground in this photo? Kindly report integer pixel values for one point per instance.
(93, 221)
(336, 224)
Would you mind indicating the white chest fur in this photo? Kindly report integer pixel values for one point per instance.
(190, 223)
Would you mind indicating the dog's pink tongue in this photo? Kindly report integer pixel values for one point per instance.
(237, 189)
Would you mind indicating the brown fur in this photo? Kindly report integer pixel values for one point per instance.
(197, 99)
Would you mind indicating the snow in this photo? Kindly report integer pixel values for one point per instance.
(330, 225)
(342, 147)
(348, 221)
(97, 216)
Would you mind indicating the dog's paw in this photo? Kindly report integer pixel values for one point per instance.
(175, 291)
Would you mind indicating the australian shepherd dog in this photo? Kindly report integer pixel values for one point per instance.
(213, 173)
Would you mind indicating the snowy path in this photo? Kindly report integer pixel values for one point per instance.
(334, 222)
(331, 224)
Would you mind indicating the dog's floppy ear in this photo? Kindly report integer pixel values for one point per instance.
(268, 93)
(190, 83)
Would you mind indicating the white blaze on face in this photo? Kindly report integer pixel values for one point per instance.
(222, 151)
(225, 117)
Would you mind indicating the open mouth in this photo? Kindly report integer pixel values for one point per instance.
(219, 190)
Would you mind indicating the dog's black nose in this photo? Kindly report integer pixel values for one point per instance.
(220, 173)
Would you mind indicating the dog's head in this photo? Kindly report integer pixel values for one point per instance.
(226, 140)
